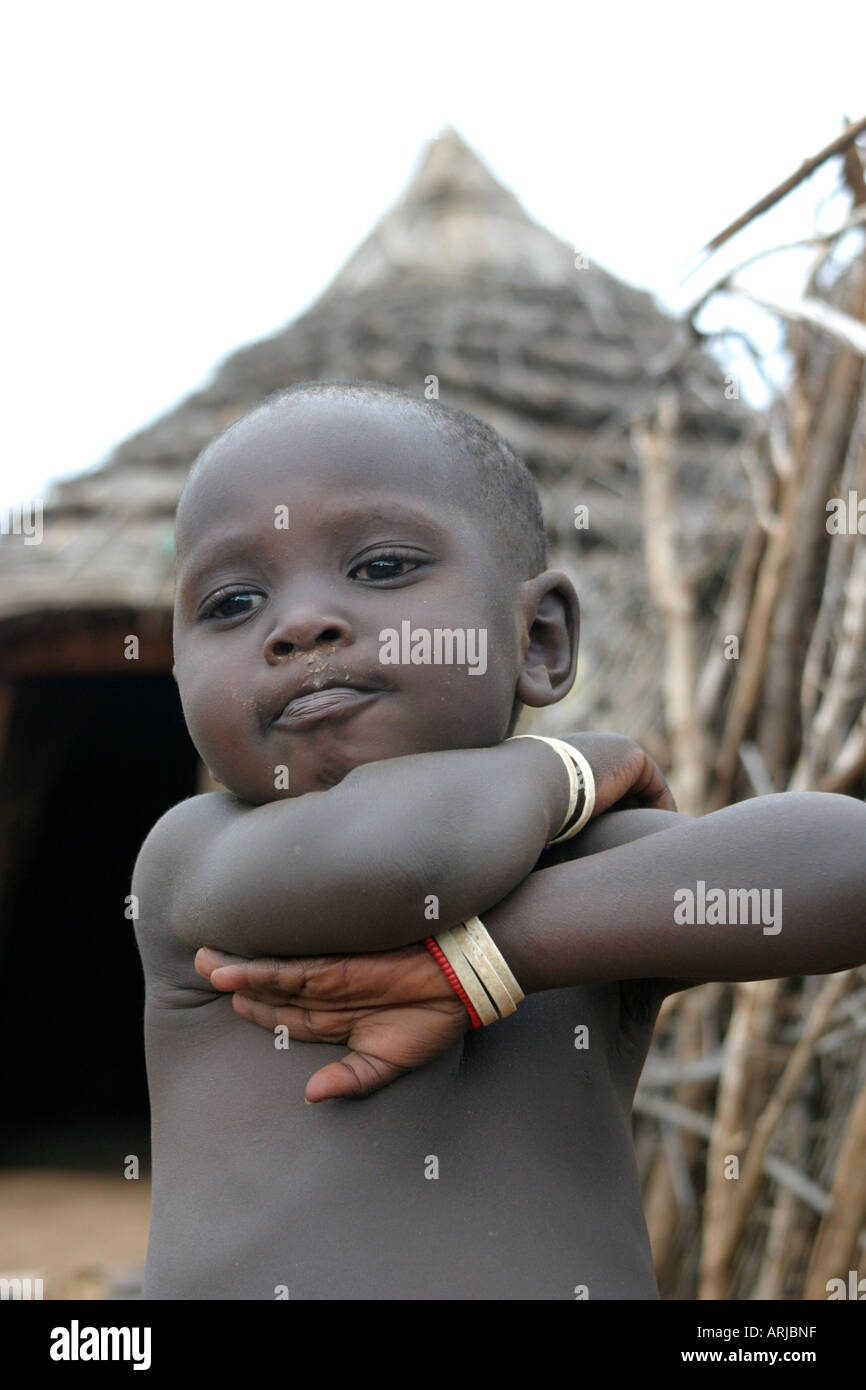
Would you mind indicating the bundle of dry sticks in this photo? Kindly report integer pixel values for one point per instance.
(772, 1073)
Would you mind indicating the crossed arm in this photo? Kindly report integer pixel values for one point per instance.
(606, 914)
(353, 868)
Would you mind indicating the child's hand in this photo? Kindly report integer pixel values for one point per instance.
(625, 774)
(395, 1009)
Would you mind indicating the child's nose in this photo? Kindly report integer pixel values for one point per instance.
(304, 626)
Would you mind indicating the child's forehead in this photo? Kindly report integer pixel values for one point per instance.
(325, 477)
(315, 436)
(315, 453)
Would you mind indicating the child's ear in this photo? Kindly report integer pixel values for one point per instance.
(551, 614)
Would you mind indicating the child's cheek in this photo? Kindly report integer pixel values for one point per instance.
(213, 717)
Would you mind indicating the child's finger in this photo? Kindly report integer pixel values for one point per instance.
(408, 974)
(207, 960)
(270, 978)
(649, 787)
(655, 792)
(300, 1023)
(356, 1075)
(295, 981)
(274, 979)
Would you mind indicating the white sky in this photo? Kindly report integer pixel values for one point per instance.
(184, 177)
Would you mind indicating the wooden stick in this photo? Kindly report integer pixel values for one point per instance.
(853, 477)
(765, 1127)
(728, 1136)
(718, 668)
(664, 1215)
(784, 1173)
(750, 672)
(851, 762)
(783, 1220)
(675, 600)
(842, 328)
(825, 734)
(829, 725)
(825, 241)
(823, 453)
(836, 1247)
(837, 146)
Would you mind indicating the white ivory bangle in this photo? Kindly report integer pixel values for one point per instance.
(462, 968)
(585, 771)
(565, 753)
(482, 938)
(486, 972)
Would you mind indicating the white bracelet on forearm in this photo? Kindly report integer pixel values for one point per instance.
(462, 967)
(496, 968)
(580, 781)
(481, 969)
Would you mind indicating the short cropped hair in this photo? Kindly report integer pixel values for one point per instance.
(501, 486)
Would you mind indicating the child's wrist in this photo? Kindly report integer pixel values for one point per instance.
(580, 781)
(477, 971)
(548, 776)
(445, 966)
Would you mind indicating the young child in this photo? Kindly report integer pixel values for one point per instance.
(374, 802)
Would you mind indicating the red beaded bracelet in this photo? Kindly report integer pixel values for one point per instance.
(442, 960)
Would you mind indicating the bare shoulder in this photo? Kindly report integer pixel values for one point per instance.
(170, 856)
(181, 834)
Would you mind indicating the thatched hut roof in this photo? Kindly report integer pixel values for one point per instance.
(458, 282)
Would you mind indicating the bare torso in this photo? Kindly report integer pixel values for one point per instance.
(502, 1170)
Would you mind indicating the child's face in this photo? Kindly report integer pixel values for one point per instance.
(380, 533)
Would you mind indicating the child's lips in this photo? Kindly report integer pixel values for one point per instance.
(334, 702)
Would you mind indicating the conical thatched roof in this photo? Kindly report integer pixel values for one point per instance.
(455, 282)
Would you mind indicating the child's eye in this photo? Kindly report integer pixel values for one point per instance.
(390, 566)
(225, 601)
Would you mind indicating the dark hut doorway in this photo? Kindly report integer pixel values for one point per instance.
(92, 764)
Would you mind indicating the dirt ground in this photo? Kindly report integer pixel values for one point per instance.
(83, 1234)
